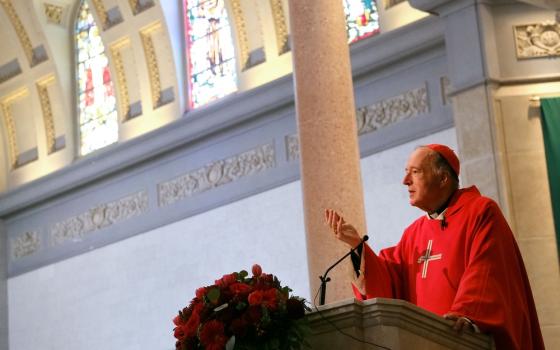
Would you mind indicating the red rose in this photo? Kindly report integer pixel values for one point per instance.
(257, 270)
(255, 298)
(178, 320)
(270, 299)
(212, 335)
(226, 280)
(179, 333)
(240, 288)
(201, 292)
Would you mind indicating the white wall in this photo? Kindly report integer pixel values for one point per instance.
(124, 296)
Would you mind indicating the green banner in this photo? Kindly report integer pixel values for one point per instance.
(550, 108)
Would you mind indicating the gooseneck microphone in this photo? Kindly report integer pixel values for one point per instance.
(325, 279)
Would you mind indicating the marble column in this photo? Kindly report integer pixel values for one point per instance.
(329, 153)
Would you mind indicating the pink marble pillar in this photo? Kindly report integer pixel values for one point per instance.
(330, 158)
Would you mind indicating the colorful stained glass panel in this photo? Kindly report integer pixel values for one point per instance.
(96, 97)
(362, 19)
(210, 51)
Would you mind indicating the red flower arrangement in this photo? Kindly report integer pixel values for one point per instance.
(243, 312)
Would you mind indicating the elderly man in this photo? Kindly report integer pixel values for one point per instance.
(460, 260)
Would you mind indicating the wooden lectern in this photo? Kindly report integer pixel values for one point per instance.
(394, 324)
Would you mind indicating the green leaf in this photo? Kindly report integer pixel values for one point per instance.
(243, 273)
(213, 295)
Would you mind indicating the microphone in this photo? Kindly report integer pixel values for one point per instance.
(324, 279)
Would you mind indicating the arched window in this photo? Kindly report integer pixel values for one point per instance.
(362, 19)
(210, 51)
(98, 121)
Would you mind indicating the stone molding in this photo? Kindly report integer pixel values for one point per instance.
(151, 61)
(20, 30)
(122, 87)
(139, 6)
(42, 90)
(217, 174)
(292, 147)
(5, 105)
(241, 34)
(282, 36)
(98, 217)
(25, 244)
(537, 40)
(391, 3)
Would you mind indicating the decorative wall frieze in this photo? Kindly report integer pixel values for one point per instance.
(20, 29)
(537, 40)
(389, 111)
(42, 89)
(122, 87)
(24, 245)
(292, 147)
(378, 115)
(151, 61)
(241, 34)
(54, 14)
(98, 217)
(5, 104)
(216, 174)
(280, 26)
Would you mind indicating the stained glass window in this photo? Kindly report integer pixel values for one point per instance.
(96, 98)
(210, 51)
(362, 19)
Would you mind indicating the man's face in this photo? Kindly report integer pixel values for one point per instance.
(424, 186)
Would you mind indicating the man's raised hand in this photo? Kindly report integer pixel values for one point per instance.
(342, 230)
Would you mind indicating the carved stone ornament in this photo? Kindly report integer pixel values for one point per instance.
(101, 216)
(25, 244)
(537, 40)
(378, 115)
(217, 174)
(292, 147)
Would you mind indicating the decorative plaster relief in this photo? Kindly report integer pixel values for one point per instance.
(241, 33)
(42, 89)
(101, 13)
(292, 147)
(122, 87)
(98, 217)
(5, 104)
(378, 115)
(138, 6)
(217, 174)
(151, 61)
(20, 29)
(282, 37)
(537, 40)
(25, 244)
(54, 13)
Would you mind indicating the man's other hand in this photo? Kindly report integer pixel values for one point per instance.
(461, 323)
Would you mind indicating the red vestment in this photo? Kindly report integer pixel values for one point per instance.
(474, 269)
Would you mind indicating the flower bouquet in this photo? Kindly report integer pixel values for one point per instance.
(242, 312)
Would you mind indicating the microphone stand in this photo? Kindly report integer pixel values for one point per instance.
(324, 279)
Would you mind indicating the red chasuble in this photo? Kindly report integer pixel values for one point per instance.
(467, 264)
